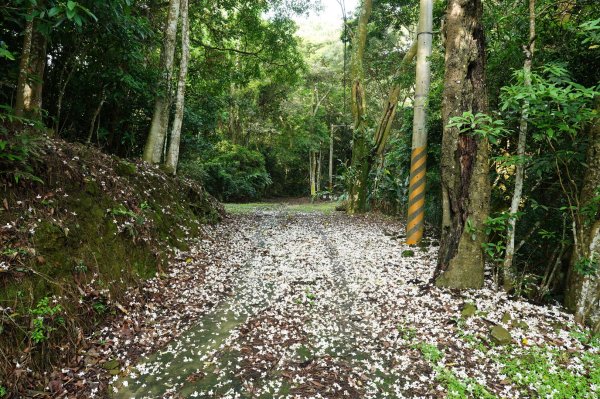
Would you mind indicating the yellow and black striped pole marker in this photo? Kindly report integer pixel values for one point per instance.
(418, 161)
(416, 196)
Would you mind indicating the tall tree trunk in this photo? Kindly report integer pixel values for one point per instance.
(312, 173)
(173, 153)
(331, 160)
(95, 116)
(233, 120)
(391, 106)
(31, 73)
(416, 194)
(508, 273)
(38, 66)
(361, 150)
(23, 84)
(63, 83)
(465, 157)
(382, 134)
(363, 155)
(160, 118)
(319, 163)
(583, 288)
(315, 184)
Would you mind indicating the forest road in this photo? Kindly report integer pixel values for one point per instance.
(317, 304)
(307, 314)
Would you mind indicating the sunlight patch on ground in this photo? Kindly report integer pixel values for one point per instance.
(317, 207)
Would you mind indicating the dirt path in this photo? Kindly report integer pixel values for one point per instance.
(319, 305)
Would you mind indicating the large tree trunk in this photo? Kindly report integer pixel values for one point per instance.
(583, 288)
(23, 86)
(160, 118)
(361, 150)
(173, 153)
(464, 160)
(416, 194)
(31, 73)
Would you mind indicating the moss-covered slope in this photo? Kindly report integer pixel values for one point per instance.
(95, 227)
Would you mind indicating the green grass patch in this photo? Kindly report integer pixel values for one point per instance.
(317, 207)
(459, 388)
(250, 207)
(430, 352)
(408, 253)
(548, 372)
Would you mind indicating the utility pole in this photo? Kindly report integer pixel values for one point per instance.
(416, 193)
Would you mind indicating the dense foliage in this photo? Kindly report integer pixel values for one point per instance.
(230, 172)
(264, 106)
(272, 110)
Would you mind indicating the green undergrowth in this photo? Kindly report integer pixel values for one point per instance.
(457, 387)
(462, 388)
(74, 245)
(533, 371)
(552, 373)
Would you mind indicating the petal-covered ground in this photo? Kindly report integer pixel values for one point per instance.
(277, 303)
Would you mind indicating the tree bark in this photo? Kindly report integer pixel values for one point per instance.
(583, 289)
(312, 164)
(464, 159)
(319, 163)
(160, 118)
(173, 153)
(315, 165)
(23, 85)
(508, 272)
(361, 150)
(31, 74)
(38, 66)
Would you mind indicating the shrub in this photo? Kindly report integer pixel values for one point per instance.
(44, 316)
(20, 144)
(233, 173)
